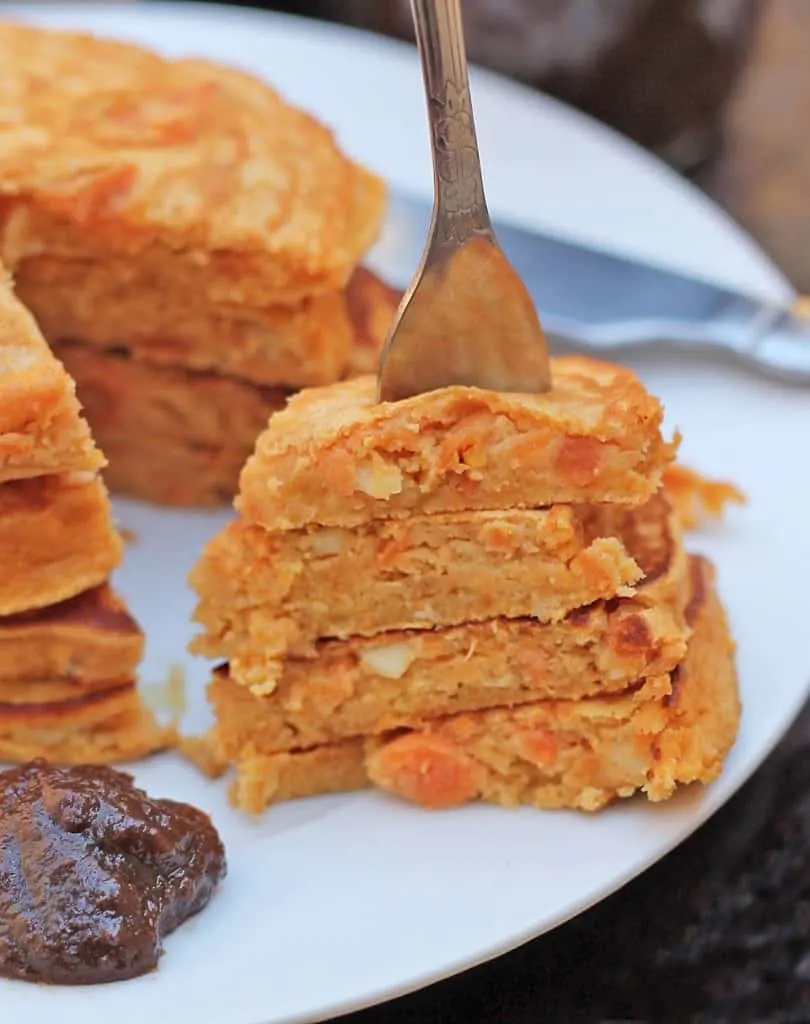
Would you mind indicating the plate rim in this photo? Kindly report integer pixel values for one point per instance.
(710, 807)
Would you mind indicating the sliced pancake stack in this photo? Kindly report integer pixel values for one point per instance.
(189, 244)
(465, 595)
(69, 650)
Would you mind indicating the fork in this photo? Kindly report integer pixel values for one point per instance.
(466, 318)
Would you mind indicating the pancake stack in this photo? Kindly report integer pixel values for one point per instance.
(189, 244)
(69, 649)
(465, 595)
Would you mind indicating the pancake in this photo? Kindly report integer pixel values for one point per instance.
(69, 724)
(179, 436)
(56, 540)
(41, 429)
(84, 640)
(105, 306)
(67, 684)
(199, 175)
(172, 436)
(583, 754)
(372, 304)
(269, 595)
(336, 457)
(403, 679)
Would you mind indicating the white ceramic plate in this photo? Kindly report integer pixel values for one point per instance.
(338, 902)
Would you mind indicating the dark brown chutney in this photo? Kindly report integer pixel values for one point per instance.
(94, 873)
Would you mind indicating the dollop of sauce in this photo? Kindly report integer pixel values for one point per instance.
(94, 873)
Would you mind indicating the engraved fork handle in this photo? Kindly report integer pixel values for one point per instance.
(459, 208)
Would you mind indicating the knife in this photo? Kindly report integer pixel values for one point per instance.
(592, 300)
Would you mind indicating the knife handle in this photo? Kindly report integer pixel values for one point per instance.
(769, 339)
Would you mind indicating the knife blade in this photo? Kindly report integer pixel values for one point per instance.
(599, 302)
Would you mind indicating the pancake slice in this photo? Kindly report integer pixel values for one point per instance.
(107, 306)
(336, 457)
(69, 724)
(84, 640)
(41, 429)
(67, 684)
(655, 736)
(173, 436)
(370, 685)
(268, 596)
(57, 539)
(179, 435)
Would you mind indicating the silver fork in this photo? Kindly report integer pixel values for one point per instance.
(467, 317)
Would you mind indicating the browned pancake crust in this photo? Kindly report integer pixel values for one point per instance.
(60, 703)
(87, 639)
(102, 728)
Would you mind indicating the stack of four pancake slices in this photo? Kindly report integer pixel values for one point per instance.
(465, 595)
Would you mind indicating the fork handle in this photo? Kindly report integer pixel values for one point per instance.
(460, 208)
